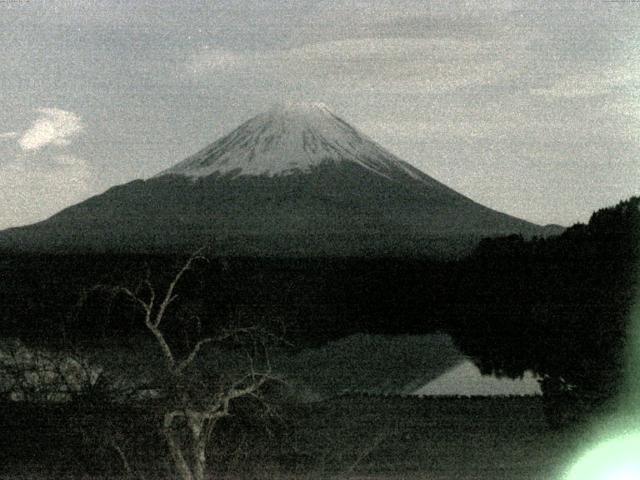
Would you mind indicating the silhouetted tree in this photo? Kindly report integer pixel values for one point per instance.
(557, 306)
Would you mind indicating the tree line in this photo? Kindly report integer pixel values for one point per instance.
(558, 306)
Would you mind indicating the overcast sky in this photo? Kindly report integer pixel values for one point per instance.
(529, 107)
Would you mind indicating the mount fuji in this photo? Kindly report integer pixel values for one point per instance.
(296, 180)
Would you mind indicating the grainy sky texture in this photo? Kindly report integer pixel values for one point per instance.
(529, 107)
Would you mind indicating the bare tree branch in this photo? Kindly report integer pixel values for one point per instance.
(179, 459)
(191, 407)
(192, 355)
(169, 296)
(145, 306)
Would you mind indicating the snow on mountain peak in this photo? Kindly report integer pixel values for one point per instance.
(291, 138)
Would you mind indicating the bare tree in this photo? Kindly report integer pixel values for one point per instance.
(196, 398)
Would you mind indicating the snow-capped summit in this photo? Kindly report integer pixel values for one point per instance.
(291, 138)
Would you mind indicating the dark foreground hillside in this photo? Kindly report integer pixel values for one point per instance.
(347, 437)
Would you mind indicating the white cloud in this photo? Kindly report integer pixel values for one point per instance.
(53, 127)
(38, 183)
(408, 130)
(33, 190)
(361, 11)
(474, 8)
(594, 83)
(212, 59)
(406, 65)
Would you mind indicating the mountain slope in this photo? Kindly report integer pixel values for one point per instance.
(295, 180)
